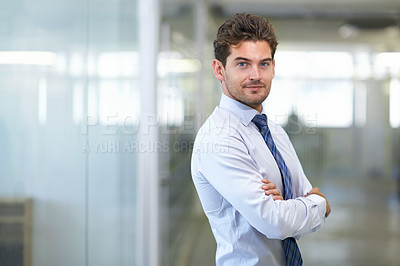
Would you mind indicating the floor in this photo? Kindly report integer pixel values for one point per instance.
(363, 229)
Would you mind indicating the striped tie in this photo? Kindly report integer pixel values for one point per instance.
(292, 252)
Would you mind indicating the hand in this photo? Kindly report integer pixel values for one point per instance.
(270, 189)
(316, 191)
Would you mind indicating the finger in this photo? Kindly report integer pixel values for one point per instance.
(266, 181)
(316, 193)
(328, 210)
(313, 191)
(274, 192)
(268, 186)
(271, 192)
(272, 185)
(327, 214)
(277, 198)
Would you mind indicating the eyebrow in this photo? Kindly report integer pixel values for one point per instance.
(248, 60)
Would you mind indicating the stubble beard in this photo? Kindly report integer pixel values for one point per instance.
(252, 99)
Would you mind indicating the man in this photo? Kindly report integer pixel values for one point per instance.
(246, 172)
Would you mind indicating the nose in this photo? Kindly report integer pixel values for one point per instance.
(254, 73)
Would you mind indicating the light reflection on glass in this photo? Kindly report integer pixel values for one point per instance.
(27, 57)
(360, 107)
(320, 64)
(77, 104)
(394, 113)
(42, 101)
(318, 88)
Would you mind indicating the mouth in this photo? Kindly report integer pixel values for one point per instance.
(255, 87)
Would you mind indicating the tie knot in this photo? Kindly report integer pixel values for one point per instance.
(260, 121)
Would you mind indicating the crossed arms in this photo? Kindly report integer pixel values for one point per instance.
(270, 189)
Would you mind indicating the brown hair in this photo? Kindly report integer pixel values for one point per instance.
(243, 27)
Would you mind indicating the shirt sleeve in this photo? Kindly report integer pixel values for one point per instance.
(232, 172)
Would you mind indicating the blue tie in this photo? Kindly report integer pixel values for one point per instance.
(292, 251)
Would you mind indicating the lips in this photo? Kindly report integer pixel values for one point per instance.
(255, 87)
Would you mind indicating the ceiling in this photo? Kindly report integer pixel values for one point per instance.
(317, 8)
(284, 8)
(372, 23)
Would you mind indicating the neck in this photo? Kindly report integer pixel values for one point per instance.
(257, 107)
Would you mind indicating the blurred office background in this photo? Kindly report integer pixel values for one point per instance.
(100, 102)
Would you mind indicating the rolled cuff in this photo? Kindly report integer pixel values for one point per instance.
(318, 201)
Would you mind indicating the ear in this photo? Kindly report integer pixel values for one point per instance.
(218, 69)
(273, 68)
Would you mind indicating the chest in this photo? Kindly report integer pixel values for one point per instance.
(265, 161)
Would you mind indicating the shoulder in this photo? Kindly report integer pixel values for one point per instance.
(221, 127)
(221, 123)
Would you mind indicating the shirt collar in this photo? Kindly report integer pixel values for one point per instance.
(243, 112)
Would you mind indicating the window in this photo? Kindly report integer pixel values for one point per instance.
(316, 86)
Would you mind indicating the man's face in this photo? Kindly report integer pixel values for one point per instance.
(248, 73)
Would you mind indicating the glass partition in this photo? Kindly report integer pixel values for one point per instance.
(68, 110)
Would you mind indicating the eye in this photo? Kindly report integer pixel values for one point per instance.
(265, 64)
(242, 64)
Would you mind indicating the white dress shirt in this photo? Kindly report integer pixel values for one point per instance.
(229, 160)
